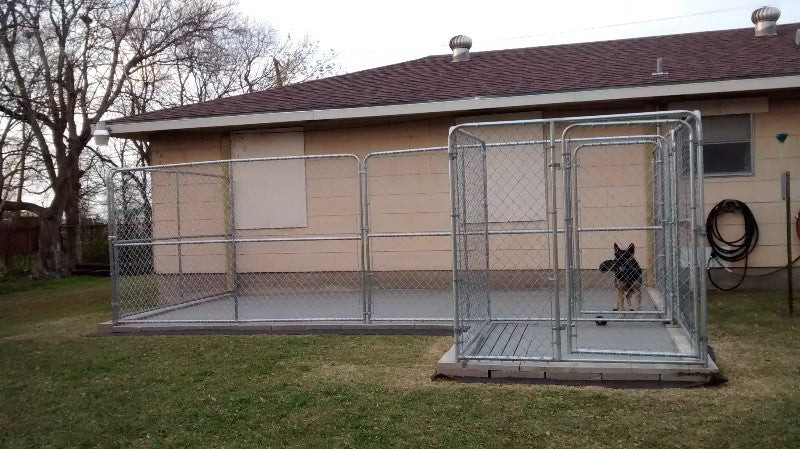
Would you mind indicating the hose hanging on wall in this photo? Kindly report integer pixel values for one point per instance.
(731, 250)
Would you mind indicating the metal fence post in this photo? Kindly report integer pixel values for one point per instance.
(363, 214)
(486, 233)
(178, 235)
(554, 241)
(699, 287)
(112, 250)
(452, 155)
(232, 234)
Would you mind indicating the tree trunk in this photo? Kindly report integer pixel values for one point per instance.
(72, 232)
(49, 245)
(72, 213)
(18, 214)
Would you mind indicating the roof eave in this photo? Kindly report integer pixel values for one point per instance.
(125, 129)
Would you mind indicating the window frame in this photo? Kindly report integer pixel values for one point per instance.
(752, 171)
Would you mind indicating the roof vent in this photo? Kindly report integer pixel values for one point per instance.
(660, 68)
(460, 45)
(765, 19)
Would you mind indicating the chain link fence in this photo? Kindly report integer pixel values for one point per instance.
(407, 235)
(562, 239)
(272, 239)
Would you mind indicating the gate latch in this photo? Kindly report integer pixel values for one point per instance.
(554, 164)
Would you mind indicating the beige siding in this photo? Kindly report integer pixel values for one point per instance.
(203, 194)
(411, 194)
(762, 190)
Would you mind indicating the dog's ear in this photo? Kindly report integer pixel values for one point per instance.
(616, 248)
(631, 248)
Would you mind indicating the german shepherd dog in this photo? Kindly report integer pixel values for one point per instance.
(627, 276)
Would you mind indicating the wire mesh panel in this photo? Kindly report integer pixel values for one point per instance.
(470, 241)
(688, 261)
(615, 227)
(407, 218)
(162, 224)
(617, 219)
(523, 285)
(273, 239)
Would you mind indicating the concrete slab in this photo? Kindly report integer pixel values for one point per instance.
(388, 305)
(570, 371)
(309, 327)
(573, 376)
(500, 374)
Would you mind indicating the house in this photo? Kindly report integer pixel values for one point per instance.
(745, 82)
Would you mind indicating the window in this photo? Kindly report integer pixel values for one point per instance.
(269, 194)
(727, 146)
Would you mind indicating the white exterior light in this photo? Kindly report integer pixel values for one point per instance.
(101, 135)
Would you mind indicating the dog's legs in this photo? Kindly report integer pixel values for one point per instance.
(638, 298)
(620, 305)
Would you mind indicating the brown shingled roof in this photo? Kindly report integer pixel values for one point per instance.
(705, 56)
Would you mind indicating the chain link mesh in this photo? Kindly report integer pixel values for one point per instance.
(629, 283)
(518, 221)
(407, 208)
(217, 242)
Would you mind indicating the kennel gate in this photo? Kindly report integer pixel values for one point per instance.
(588, 183)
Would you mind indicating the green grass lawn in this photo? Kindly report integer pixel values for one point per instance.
(59, 388)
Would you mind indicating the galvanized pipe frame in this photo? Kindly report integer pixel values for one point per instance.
(699, 350)
(574, 302)
(115, 242)
(368, 235)
(231, 239)
(683, 118)
(611, 142)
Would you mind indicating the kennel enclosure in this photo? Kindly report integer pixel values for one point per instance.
(500, 233)
(597, 181)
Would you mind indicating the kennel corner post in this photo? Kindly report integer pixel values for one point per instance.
(556, 305)
(113, 261)
(701, 297)
(452, 157)
(362, 172)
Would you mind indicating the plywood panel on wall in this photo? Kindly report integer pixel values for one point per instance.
(269, 194)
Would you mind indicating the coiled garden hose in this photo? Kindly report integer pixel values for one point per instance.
(730, 250)
(740, 248)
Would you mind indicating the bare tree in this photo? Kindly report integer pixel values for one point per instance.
(66, 62)
(245, 57)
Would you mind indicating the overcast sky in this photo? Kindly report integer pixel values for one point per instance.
(367, 34)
